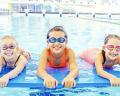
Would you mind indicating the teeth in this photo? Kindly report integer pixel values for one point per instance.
(9, 54)
(113, 55)
(56, 47)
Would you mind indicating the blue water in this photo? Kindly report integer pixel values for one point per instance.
(86, 91)
(83, 33)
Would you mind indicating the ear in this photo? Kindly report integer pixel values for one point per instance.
(47, 41)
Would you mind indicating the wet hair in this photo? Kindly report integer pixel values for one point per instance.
(57, 28)
(111, 36)
(8, 37)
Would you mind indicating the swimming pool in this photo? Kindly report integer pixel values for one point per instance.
(83, 32)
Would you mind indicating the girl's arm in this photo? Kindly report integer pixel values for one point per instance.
(119, 59)
(49, 81)
(1, 63)
(41, 71)
(72, 65)
(99, 67)
(18, 69)
(69, 80)
(24, 53)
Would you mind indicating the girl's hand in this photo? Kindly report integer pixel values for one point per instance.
(26, 54)
(69, 82)
(50, 82)
(115, 81)
(4, 81)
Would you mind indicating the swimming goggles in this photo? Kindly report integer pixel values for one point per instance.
(5, 47)
(53, 40)
(111, 47)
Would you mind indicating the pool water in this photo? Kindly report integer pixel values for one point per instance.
(30, 31)
(85, 91)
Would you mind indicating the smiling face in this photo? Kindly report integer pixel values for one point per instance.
(112, 48)
(57, 41)
(8, 47)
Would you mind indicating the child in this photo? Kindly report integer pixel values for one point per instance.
(57, 55)
(11, 56)
(107, 57)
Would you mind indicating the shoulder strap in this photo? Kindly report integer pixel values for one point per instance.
(15, 61)
(104, 58)
(4, 60)
(17, 58)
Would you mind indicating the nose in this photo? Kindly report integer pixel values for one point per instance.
(56, 43)
(114, 50)
(8, 49)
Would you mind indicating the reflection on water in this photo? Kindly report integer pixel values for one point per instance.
(107, 91)
(87, 91)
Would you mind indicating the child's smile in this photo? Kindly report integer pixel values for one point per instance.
(8, 48)
(57, 41)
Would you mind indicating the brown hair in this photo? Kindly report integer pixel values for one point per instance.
(111, 36)
(57, 28)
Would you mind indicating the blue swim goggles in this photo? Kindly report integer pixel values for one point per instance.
(53, 40)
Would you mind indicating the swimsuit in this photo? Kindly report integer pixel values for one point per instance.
(107, 63)
(104, 58)
(63, 60)
(15, 61)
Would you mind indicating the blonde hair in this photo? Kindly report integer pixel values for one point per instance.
(8, 37)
